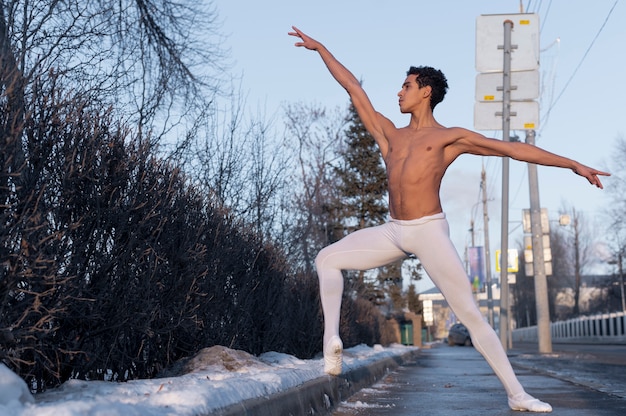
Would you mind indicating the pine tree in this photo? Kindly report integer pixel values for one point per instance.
(413, 303)
(363, 180)
(362, 192)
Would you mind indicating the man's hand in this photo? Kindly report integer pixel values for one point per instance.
(307, 41)
(591, 174)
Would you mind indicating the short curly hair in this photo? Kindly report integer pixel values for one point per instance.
(428, 76)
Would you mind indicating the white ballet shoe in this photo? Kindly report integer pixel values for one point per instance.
(524, 402)
(332, 356)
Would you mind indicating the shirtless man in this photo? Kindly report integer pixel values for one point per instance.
(416, 158)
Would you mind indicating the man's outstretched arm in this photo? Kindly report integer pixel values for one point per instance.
(373, 122)
(474, 143)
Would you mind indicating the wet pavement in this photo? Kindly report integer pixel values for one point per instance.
(444, 380)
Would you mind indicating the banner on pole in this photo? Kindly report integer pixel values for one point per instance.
(476, 257)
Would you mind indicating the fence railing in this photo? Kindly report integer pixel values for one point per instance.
(607, 328)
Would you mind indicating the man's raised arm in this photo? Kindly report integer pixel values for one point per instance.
(475, 143)
(372, 121)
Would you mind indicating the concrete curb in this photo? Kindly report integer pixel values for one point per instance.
(319, 396)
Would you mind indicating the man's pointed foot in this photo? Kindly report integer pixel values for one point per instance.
(524, 402)
(332, 356)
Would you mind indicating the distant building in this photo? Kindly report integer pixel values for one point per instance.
(595, 294)
(598, 294)
(444, 318)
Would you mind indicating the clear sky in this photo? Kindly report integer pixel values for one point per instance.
(582, 67)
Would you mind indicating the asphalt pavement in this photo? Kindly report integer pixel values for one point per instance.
(443, 380)
(577, 380)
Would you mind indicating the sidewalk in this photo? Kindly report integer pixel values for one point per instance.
(447, 380)
(441, 380)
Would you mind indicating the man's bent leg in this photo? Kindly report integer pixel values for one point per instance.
(361, 250)
(442, 263)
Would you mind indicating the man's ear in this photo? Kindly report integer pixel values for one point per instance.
(427, 91)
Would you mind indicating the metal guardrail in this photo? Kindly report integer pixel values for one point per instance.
(609, 328)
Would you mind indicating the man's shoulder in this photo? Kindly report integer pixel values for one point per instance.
(448, 130)
(449, 134)
(456, 130)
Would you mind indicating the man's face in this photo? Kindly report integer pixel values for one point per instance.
(411, 94)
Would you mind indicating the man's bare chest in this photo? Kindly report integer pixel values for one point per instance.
(414, 154)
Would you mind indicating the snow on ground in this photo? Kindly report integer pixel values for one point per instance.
(217, 377)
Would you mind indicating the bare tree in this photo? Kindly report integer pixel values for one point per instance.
(617, 246)
(240, 161)
(573, 250)
(266, 178)
(156, 61)
(315, 135)
(616, 214)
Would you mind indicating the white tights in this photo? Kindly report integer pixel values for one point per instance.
(428, 239)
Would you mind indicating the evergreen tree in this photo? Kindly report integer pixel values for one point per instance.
(413, 303)
(362, 193)
(363, 180)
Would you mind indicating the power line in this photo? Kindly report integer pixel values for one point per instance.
(582, 59)
(545, 16)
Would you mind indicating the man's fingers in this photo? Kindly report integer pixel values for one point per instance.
(599, 184)
(296, 32)
(596, 181)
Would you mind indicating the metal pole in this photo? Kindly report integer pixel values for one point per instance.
(504, 235)
(483, 185)
(539, 266)
(621, 278)
(576, 264)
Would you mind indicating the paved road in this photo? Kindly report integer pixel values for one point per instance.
(601, 367)
(602, 353)
(446, 380)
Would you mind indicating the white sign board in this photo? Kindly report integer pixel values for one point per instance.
(490, 41)
(524, 86)
(524, 115)
(545, 221)
(427, 306)
(528, 248)
(530, 271)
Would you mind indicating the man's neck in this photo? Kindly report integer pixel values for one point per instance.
(423, 119)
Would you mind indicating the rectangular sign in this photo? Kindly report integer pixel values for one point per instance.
(545, 221)
(524, 115)
(524, 42)
(512, 261)
(524, 86)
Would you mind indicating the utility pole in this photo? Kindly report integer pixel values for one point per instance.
(539, 266)
(504, 232)
(483, 185)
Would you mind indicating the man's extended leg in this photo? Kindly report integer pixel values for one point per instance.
(431, 244)
(361, 250)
